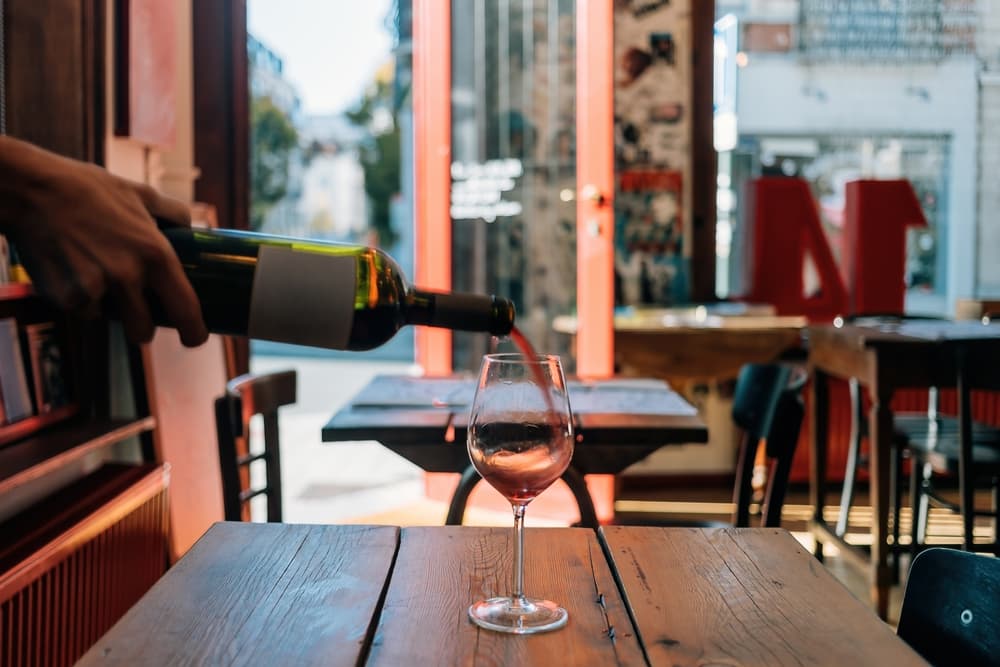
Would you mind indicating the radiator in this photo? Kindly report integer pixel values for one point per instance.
(62, 598)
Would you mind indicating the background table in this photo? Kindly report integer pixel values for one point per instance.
(905, 354)
(691, 345)
(277, 594)
(700, 351)
(425, 420)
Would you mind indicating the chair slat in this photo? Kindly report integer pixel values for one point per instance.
(250, 458)
(252, 493)
(247, 396)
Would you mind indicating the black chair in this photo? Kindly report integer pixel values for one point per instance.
(944, 452)
(928, 438)
(767, 405)
(246, 396)
(859, 427)
(951, 608)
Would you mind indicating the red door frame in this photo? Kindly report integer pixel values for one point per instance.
(595, 174)
(432, 168)
(595, 177)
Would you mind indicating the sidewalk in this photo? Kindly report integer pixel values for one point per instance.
(335, 482)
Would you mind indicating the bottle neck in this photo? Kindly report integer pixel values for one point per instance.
(462, 312)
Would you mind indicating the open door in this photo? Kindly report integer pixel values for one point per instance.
(512, 199)
(513, 111)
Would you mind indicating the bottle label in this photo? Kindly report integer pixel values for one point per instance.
(301, 297)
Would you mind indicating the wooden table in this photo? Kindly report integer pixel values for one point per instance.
(907, 354)
(692, 345)
(279, 594)
(425, 420)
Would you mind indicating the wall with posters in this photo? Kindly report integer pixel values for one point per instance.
(653, 98)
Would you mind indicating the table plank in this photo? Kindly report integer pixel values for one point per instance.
(743, 597)
(269, 594)
(440, 571)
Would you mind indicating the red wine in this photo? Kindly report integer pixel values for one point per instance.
(520, 460)
(541, 379)
(317, 293)
(522, 343)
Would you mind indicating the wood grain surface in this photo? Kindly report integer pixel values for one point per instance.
(743, 597)
(439, 572)
(685, 355)
(264, 594)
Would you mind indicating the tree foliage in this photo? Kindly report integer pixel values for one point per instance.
(272, 139)
(380, 156)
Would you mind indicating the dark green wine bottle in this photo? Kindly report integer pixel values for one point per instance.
(318, 293)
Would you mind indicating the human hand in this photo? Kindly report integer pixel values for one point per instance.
(85, 234)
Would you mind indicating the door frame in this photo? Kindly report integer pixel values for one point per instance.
(595, 165)
(432, 169)
(595, 176)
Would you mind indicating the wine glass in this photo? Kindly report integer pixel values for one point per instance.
(520, 440)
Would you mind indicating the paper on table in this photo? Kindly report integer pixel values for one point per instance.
(635, 400)
(634, 396)
(420, 392)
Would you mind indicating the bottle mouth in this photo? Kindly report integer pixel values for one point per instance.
(504, 325)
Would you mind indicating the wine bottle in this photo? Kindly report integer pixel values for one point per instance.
(318, 293)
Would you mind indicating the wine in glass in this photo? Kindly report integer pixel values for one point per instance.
(520, 440)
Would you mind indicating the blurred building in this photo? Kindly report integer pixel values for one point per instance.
(332, 204)
(325, 197)
(267, 79)
(834, 91)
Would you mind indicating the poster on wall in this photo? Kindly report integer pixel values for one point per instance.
(652, 151)
(649, 232)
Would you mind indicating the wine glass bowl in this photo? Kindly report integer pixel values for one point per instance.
(520, 439)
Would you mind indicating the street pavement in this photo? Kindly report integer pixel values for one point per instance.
(335, 482)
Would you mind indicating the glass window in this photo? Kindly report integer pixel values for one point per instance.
(331, 144)
(832, 91)
(513, 163)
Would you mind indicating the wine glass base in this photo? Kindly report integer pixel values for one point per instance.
(527, 617)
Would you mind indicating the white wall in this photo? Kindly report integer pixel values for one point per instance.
(988, 245)
(988, 47)
(779, 96)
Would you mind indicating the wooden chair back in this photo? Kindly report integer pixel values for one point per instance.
(951, 608)
(245, 397)
(767, 405)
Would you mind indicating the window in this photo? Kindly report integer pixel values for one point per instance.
(831, 91)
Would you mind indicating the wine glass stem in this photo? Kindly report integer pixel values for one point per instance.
(517, 595)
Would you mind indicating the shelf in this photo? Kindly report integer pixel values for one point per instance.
(25, 427)
(53, 448)
(12, 291)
